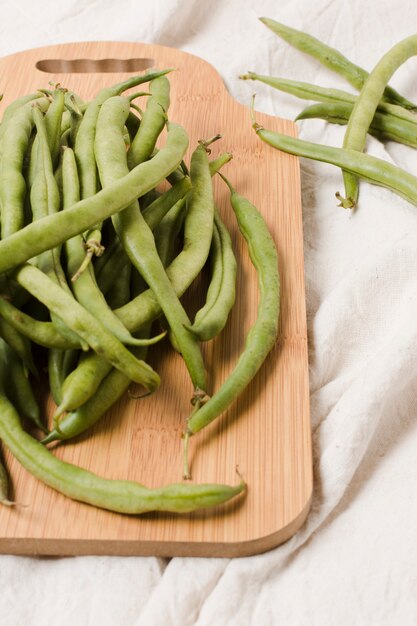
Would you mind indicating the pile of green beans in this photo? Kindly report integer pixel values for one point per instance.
(102, 232)
(378, 110)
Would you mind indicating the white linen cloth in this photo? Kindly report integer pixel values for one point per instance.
(354, 562)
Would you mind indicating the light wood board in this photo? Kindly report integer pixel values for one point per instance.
(266, 433)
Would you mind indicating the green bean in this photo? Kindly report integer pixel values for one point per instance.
(85, 287)
(332, 59)
(152, 122)
(53, 230)
(112, 262)
(308, 91)
(366, 105)
(137, 237)
(183, 270)
(45, 200)
(85, 325)
(156, 210)
(167, 231)
(382, 126)
(42, 333)
(16, 104)
(53, 122)
(262, 335)
(121, 496)
(212, 317)
(56, 375)
(12, 182)
(367, 167)
(84, 145)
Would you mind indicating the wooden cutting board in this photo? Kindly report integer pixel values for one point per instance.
(266, 433)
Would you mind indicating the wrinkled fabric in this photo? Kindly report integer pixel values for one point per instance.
(354, 561)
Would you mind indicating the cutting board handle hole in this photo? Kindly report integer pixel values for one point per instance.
(93, 66)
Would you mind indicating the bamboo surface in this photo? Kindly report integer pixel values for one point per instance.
(266, 432)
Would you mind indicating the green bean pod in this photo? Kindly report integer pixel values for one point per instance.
(121, 496)
(366, 105)
(367, 167)
(137, 237)
(82, 417)
(308, 91)
(15, 142)
(44, 334)
(152, 123)
(333, 59)
(19, 343)
(85, 287)
(262, 335)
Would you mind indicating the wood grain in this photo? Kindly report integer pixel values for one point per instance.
(266, 433)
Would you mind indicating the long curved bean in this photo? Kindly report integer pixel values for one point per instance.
(331, 58)
(137, 237)
(367, 167)
(366, 105)
(121, 496)
(262, 335)
(330, 95)
(55, 229)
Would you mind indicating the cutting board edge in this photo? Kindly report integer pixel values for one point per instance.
(164, 549)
